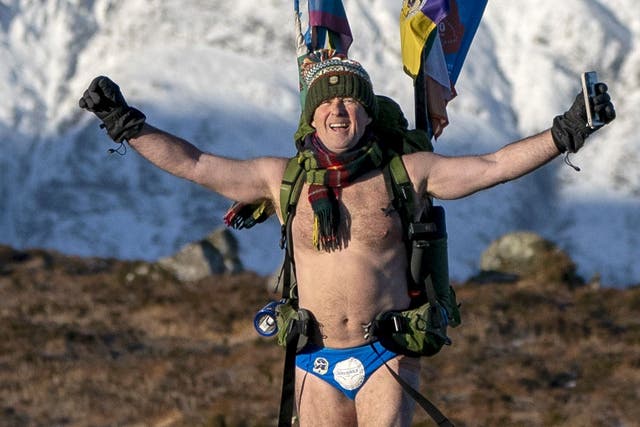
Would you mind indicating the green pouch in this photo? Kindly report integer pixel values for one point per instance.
(417, 332)
(285, 315)
(292, 324)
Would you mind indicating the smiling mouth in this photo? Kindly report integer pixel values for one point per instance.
(339, 125)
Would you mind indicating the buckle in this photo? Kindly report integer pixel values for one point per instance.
(388, 323)
(396, 323)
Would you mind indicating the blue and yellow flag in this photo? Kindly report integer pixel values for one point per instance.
(418, 30)
(435, 38)
(455, 22)
(457, 31)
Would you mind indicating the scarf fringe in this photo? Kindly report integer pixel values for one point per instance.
(326, 218)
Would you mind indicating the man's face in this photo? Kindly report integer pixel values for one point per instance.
(340, 123)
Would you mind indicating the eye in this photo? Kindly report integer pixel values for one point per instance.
(326, 103)
(349, 100)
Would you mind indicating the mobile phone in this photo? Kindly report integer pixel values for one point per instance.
(589, 80)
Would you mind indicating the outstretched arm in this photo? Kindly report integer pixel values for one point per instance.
(240, 180)
(455, 177)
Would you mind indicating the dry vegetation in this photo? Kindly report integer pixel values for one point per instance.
(96, 342)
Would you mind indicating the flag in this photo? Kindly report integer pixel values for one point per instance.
(418, 29)
(457, 32)
(435, 38)
(435, 88)
(328, 25)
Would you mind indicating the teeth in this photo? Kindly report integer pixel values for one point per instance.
(339, 125)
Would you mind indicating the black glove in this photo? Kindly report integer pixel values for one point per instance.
(570, 129)
(104, 99)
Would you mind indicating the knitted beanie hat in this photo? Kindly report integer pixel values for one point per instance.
(325, 74)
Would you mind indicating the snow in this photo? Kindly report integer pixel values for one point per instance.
(222, 74)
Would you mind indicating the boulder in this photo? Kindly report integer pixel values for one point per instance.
(225, 242)
(215, 254)
(526, 255)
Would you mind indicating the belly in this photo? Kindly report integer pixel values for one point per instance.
(347, 289)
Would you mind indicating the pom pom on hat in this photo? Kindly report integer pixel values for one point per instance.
(326, 74)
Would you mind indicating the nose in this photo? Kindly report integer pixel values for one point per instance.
(337, 106)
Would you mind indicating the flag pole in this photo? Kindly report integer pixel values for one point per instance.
(420, 98)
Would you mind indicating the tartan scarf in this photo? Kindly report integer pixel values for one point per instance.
(327, 173)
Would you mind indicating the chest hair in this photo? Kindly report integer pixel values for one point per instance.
(366, 216)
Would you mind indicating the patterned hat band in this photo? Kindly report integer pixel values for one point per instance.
(338, 66)
(325, 75)
(343, 85)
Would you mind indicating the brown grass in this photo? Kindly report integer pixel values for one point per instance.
(94, 342)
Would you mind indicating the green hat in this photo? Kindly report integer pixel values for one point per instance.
(326, 74)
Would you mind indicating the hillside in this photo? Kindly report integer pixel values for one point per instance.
(103, 342)
(222, 74)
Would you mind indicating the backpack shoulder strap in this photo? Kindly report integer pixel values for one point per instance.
(290, 188)
(403, 200)
(400, 190)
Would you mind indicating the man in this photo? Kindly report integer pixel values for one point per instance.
(350, 261)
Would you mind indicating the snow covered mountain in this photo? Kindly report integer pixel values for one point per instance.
(222, 75)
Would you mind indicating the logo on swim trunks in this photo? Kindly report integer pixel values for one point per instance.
(320, 365)
(349, 373)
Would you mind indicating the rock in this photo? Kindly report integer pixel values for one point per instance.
(526, 255)
(215, 254)
(225, 242)
(33, 259)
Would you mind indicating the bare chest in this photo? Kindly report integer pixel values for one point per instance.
(366, 216)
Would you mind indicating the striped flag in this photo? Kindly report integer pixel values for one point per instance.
(328, 25)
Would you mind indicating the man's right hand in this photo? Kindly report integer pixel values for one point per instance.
(104, 99)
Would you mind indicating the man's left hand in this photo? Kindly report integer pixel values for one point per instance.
(570, 130)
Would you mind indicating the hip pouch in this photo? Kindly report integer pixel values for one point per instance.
(293, 324)
(418, 332)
